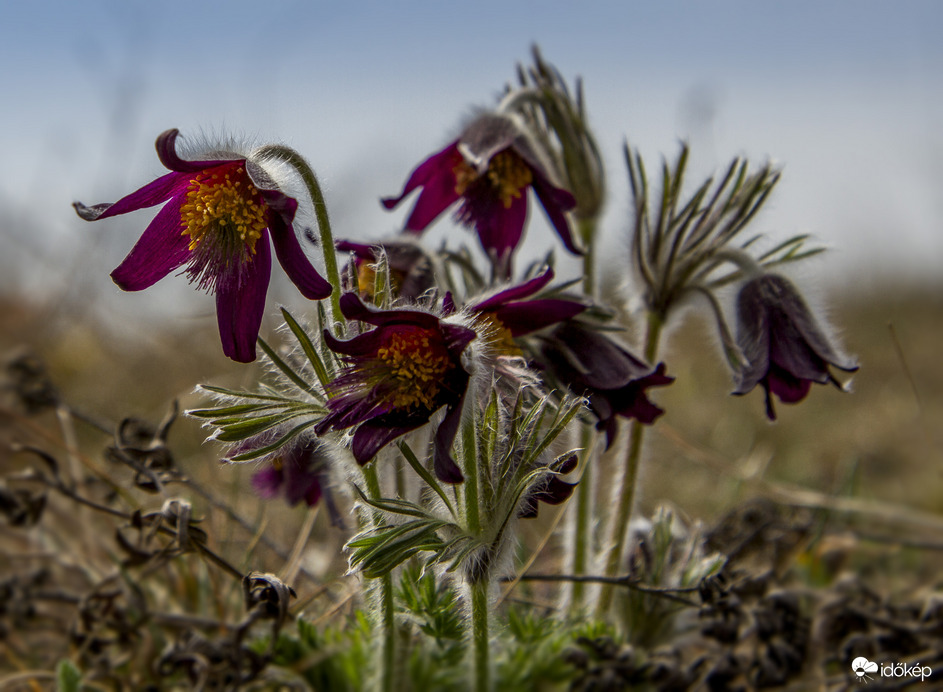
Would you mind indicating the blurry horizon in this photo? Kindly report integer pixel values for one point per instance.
(844, 96)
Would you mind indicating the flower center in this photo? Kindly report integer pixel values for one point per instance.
(507, 174)
(224, 205)
(415, 365)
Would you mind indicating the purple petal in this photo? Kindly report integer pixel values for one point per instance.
(528, 288)
(500, 229)
(370, 438)
(361, 250)
(160, 249)
(436, 176)
(530, 315)
(354, 309)
(789, 388)
(268, 481)
(152, 194)
(446, 470)
(241, 304)
(293, 260)
(359, 346)
(167, 153)
(555, 202)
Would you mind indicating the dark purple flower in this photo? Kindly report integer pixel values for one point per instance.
(219, 216)
(410, 267)
(784, 348)
(397, 376)
(488, 170)
(300, 473)
(614, 381)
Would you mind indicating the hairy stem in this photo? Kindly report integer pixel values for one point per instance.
(297, 161)
(479, 620)
(382, 594)
(620, 522)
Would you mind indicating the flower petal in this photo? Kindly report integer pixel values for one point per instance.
(499, 228)
(370, 438)
(518, 292)
(160, 249)
(446, 470)
(437, 178)
(528, 316)
(241, 304)
(555, 202)
(154, 193)
(167, 153)
(293, 259)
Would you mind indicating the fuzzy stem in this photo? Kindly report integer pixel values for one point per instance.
(580, 534)
(479, 619)
(584, 492)
(297, 161)
(620, 525)
(479, 585)
(383, 596)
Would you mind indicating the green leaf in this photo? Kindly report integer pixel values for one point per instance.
(288, 371)
(268, 449)
(423, 472)
(308, 347)
(68, 677)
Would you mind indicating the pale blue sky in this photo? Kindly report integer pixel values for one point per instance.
(845, 95)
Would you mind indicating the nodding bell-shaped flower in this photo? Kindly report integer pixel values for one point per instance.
(410, 268)
(220, 212)
(397, 376)
(614, 381)
(784, 347)
(299, 473)
(487, 170)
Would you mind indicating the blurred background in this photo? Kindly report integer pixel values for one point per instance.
(845, 96)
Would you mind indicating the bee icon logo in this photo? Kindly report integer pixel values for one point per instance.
(862, 666)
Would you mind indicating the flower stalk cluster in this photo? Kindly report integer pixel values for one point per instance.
(441, 396)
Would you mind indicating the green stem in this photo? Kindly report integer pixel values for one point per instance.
(479, 618)
(297, 161)
(383, 595)
(584, 492)
(620, 522)
(478, 585)
(581, 527)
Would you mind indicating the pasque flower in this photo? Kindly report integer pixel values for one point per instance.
(220, 212)
(397, 376)
(410, 268)
(784, 348)
(487, 170)
(299, 473)
(614, 381)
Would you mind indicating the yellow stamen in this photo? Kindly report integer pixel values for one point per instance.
(225, 203)
(507, 173)
(417, 365)
(492, 331)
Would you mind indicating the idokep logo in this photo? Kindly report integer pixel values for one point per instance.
(865, 669)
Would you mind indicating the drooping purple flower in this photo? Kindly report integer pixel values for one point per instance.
(397, 376)
(783, 345)
(487, 170)
(410, 268)
(613, 380)
(300, 473)
(217, 221)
